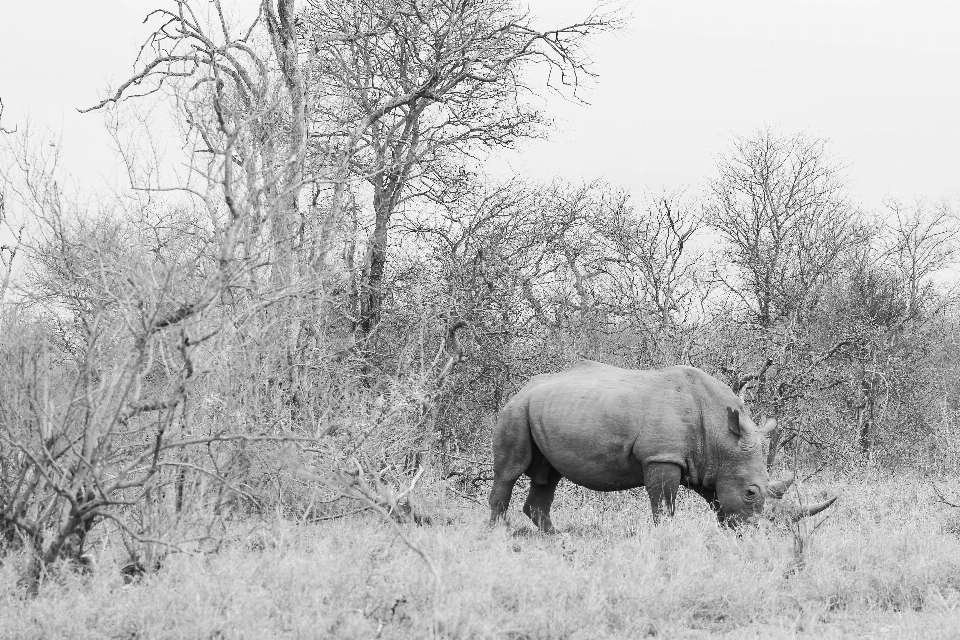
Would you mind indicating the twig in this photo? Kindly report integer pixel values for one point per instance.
(814, 472)
(943, 499)
(412, 483)
(339, 515)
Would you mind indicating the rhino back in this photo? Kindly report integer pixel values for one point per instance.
(598, 424)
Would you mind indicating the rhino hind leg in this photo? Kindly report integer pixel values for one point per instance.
(512, 453)
(662, 480)
(500, 496)
(543, 486)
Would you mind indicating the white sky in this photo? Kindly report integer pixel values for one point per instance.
(879, 79)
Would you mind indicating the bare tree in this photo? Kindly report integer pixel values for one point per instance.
(782, 207)
(893, 305)
(133, 299)
(651, 261)
(406, 90)
(922, 240)
(145, 319)
(12, 236)
(396, 95)
(86, 435)
(245, 107)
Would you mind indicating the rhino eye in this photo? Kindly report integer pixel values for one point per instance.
(750, 493)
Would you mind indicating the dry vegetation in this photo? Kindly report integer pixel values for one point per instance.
(262, 389)
(886, 563)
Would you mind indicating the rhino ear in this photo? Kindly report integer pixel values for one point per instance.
(733, 421)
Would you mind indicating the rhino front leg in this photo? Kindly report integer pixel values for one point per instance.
(662, 480)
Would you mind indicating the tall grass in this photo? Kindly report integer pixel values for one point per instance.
(886, 563)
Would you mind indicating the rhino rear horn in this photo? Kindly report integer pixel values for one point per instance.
(813, 509)
(779, 487)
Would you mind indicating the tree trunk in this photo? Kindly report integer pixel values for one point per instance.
(865, 415)
(386, 194)
(281, 27)
(371, 293)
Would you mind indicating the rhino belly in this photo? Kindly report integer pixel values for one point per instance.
(595, 461)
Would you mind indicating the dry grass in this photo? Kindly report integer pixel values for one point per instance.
(886, 564)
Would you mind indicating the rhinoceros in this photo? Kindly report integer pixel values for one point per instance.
(610, 429)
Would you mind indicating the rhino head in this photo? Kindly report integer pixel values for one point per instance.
(743, 484)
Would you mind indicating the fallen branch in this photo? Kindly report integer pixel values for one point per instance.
(339, 515)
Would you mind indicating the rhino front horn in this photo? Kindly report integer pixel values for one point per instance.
(813, 509)
(779, 487)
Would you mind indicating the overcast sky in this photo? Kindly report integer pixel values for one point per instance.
(880, 80)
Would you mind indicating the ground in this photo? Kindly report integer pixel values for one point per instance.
(884, 564)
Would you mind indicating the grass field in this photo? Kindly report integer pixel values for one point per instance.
(884, 564)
